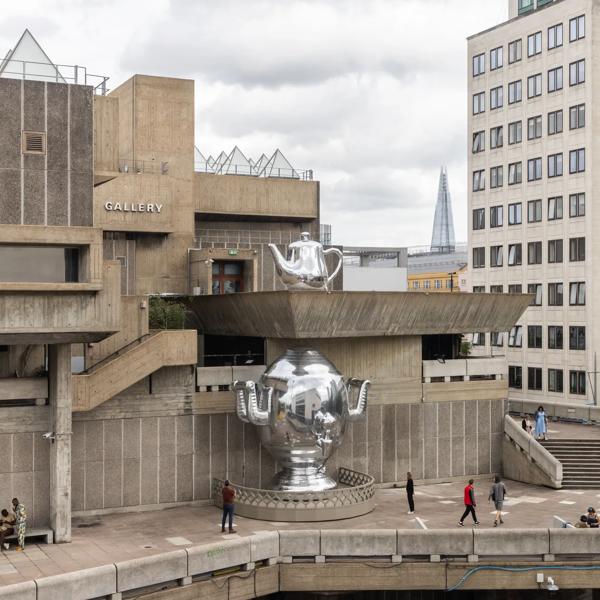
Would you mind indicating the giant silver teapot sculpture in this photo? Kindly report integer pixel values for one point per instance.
(305, 267)
(301, 406)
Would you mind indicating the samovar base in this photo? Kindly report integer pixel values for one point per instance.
(297, 479)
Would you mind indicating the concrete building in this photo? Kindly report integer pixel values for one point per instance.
(531, 164)
(433, 271)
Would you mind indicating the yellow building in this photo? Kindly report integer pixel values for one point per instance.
(438, 281)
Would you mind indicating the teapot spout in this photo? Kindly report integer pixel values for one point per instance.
(284, 269)
(361, 406)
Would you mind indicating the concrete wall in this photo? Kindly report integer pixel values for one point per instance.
(373, 278)
(56, 187)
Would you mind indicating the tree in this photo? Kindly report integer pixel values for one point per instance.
(166, 314)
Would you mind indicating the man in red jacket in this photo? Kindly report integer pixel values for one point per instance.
(470, 504)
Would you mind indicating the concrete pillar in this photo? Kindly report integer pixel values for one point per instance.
(59, 394)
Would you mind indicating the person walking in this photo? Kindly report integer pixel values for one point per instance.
(497, 494)
(541, 423)
(228, 506)
(20, 522)
(470, 504)
(410, 493)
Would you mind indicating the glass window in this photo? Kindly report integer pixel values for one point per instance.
(555, 294)
(577, 205)
(555, 122)
(555, 337)
(577, 72)
(515, 376)
(495, 256)
(555, 36)
(555, 165)
(496, 289)
(536, 290)
(496, 98)
(478, 218)
(496, 338)
(515, 92)
(514, 173)
(416, 285)
(534, 211)
(478, 339)
(515, 288)
(496, 216)
(577, 293)
(514, 213)
(555, 252)
(514, 255)
(427, 284)
(479, 289)
(534, 253)
(555, 79)
(534, 169)
(478, 180)
(478, 103)
(39, 264)
(534, 85)
(555, 380)
(478, 258)
(495, 58)
(577, 28)
(496, 178)
(478, 64)
(534, 127)
(577, 116)
(534, 43)
(496, 137)
(577, 337)
(437, 284)
(525, 6)
(478, 141)
(515, 132)
(534, 378)
(577, 160)
(577, 382)
(577, 249)
(515, 51)
(555, 208)
(515, 337)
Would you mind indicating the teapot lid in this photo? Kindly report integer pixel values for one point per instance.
(305, 241)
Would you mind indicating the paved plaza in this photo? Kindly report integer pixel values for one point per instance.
(106, 539)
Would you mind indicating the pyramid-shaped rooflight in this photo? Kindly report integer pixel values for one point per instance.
(200, 162)
(236, 164)
(28, 61)
(210, 161)
(260, 163)
(278, 166)
(219, 162)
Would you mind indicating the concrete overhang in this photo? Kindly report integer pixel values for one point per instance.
(300, 315)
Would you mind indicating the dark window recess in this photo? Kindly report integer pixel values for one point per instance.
(225, 351)
(441, 347)
(39, 264)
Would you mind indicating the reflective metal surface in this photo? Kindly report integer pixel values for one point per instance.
(301, 405)
(305, 267)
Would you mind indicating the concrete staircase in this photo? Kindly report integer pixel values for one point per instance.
(580, 459)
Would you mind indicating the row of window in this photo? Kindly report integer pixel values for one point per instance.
(534, 170)
(534, 253)
(577, 379)
(534, 129)
(534, 211)
(555, 292)
(534, 87)
(437, 284)
(534, 45)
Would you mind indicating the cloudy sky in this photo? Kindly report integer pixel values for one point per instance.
(370, 94)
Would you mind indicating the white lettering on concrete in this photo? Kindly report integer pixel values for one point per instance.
(126, 207)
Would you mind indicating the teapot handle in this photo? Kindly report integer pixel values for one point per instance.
(340, 261)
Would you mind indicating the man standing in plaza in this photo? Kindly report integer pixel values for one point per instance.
(470, 504)
(228, 505)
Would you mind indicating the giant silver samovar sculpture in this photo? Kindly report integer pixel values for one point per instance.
(305, 267)
(301, 406)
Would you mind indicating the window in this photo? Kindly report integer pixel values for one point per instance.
(478, 339)
(555, 337)
(555, 165)
(496, 289)
(577, 161)
(479, 289)
(478, 64)
(515, 288)
(495, 58)
(515, 337)
(515, 50)
(555, 79)
(577, 116)
(496, 216)
(515, 91)
(534, 211)
(534, 378)
(534, 169)
(577, 293)
(577, 72)
(555, 122)
(577, 249)
(478, 142)
(514, 213)
(576, 29)
(478, 258)
(496, 137)
(555, 252)
(555, 36)
(514, 255)
(427, 284)
(555, 294)
(495, 256)
(227, 277)
(496, 179)
(577, 382)
(437, 284)
(534, 127)
(496, 98)
(496, 338)
(515, 174)
(515, 376)
(555, 380)
(534, 43)
(534, 253)
(478, 218)
(416, 285)
(478, 180)
(577, 337)
(534, 85)
(525, 6)
(555, 208)
(577, 205)
(515, 132)
(478, 103)
(536, 290)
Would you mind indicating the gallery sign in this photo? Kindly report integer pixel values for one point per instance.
(133, 207)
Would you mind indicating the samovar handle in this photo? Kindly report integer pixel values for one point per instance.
(257, 416)
(361, 405)
(241, 403)
(340, 262)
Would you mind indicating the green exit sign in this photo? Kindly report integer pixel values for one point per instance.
(232, 252)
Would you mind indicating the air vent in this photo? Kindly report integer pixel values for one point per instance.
(34, 142)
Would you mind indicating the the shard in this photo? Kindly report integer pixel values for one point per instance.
(442, 237)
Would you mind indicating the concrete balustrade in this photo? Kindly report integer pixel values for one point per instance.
(574, 541)
(79, 585)
(299, 543)
(435, 542)
(465, 368)
(264, 546)
(511, 542)
(220, 555)
(358, 542)
(213, 377)
(19, 591)
(149, 570)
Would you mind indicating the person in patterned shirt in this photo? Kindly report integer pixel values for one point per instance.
(20, 522)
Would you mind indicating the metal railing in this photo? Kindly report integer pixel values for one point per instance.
(37, 71)
(129, 165)
(252, 171)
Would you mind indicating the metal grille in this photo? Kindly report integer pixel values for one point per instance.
(34, 142)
